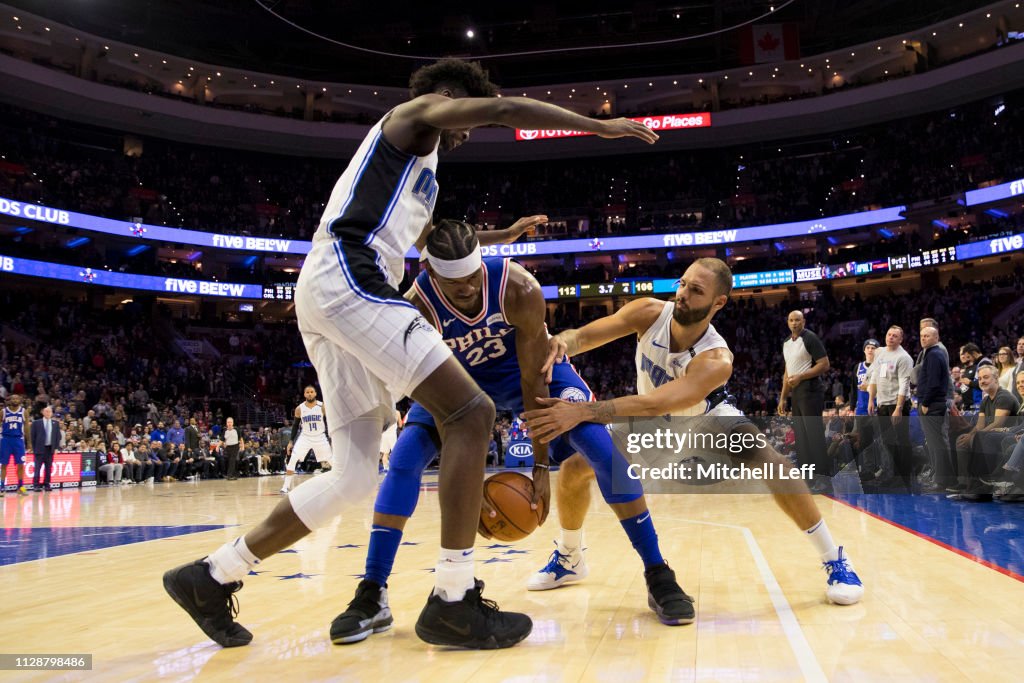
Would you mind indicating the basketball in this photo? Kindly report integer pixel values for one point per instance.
(510, 494)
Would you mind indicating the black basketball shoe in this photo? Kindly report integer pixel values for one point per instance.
(367, 613)
(211, 605)
(672, 605)
(473, 623)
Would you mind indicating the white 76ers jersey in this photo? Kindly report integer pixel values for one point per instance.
(312, 420)
(383, 201)
(656, 364)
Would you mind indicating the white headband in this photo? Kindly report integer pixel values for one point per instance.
(459, 268)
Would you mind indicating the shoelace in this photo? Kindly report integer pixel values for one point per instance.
(839, 571)
(557, 559)
(233, 607)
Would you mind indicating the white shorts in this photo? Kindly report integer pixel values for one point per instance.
(369, 346)
(389, 438)
(303, 445)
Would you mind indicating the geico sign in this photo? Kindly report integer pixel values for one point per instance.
(665, 122)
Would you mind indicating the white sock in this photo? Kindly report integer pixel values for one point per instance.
(572, 539)
(821, 537)
(231, 562)
(454, 574)
(288, 480)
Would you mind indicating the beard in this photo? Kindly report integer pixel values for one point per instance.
(690, 315)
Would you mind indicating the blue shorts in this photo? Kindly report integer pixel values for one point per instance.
(566, 384)
(9, 447)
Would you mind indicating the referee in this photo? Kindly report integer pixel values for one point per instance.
(231, 447)
(806, 361)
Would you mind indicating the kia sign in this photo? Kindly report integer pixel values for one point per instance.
(666, 122)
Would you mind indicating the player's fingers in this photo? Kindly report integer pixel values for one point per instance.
(487, 509)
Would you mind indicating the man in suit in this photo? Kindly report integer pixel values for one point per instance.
(45, 437)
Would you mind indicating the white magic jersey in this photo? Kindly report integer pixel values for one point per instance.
(656, 364)
(382, 201)
(312, 420)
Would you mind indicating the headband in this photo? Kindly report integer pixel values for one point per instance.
(458, 268)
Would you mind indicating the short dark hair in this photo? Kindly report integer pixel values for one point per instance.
(454, 73)
(721, 271)
(451, 240)
(970, 347)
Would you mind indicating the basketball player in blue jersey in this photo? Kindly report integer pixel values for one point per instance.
(370, 346)
(12, 442)
(683, 365)
(492, 317)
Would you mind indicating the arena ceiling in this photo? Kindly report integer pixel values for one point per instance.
(243, 34)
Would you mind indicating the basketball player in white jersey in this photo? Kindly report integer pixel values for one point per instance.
(370, 346)
(309, 433)
(683, 365)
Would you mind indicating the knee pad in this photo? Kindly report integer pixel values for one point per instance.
(400, 490)
(595, 444)
(352, 478)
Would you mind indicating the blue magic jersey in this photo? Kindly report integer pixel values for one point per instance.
(862, 396)
(485, 344)
(14, 423)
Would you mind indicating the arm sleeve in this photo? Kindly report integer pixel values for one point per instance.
(296, 430)
(814, 346)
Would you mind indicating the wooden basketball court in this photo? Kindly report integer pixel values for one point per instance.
(938, 606)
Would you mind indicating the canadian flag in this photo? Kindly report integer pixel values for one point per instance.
(769, 43)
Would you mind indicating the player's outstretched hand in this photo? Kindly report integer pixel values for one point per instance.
(626, 128)
(557, 417)
(541, 492)
(556, 352)
(527, 224)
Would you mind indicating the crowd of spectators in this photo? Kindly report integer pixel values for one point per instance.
(76, 167)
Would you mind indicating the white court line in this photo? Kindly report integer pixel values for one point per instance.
(790, 626)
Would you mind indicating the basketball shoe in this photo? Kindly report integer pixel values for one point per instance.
(670, 602)
(561, 569)
(472, 622)
(211, 605)
(844, 586)
(367, 613)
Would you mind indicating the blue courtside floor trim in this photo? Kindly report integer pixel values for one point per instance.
(25, 544)
(991, 534)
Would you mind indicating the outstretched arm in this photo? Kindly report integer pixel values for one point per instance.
(527, 224)
(633, 318)
(708, 371)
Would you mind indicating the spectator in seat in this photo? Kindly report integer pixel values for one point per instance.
(975, 458)
(1004, 367)
(112, 467)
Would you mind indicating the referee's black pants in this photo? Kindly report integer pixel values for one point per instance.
(809, 428)
(232, 456)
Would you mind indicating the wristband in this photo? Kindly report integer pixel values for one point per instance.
(543, 466)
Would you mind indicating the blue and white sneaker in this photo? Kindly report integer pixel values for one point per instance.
(844, 586)
(561, 569)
